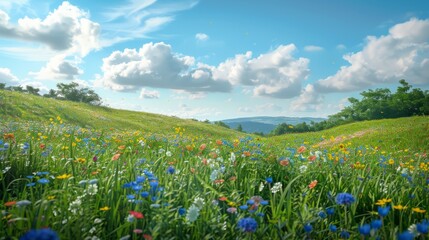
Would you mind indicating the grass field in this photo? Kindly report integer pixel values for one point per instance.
(79, 172)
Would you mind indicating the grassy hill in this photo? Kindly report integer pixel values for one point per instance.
(18, 106)
(387, 133)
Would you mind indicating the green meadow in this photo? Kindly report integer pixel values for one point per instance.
(88, 172)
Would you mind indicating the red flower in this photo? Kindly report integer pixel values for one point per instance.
(136, 214)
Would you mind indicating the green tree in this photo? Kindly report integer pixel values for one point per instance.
(32, 90)
(2, 85)
(239, 128)
(74, 92)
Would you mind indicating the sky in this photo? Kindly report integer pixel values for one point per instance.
(217, 59)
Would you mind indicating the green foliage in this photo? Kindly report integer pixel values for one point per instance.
(221, 124)
(73, 92)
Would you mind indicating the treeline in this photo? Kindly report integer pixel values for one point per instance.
(375, 104)
(72, 92)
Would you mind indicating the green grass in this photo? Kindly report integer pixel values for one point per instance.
(84, 179)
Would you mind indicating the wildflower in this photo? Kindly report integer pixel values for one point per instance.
(382, 202)
(312, 184)
(365, 229)
(193, 213)
(332, 228)
(98, 220)
(23, 203)
(308, 228)
(116, 157)
(170, 170)
(247, 224)
(93, 181)
(182, 211)
(406, 236)
(391, 161)
(147, 237)
(376, 224)
(136, 214)
(144, 194)
(199, 202)
(345, 199)
(231, 210)
(223, 198)
(322, 214)
(137, 231)
(312, 158)
(261, 186)
(330, 211)
(344, 234)
(10, 203)
(301, 149)
(269, 179)
(383, 211)
(400, 207)
(43, 181)
(64, 176)
(284, 162)
(105, 208)
(277, 187)
(423, 227)
(45, 234)
(418, 210)
(244, 207)
(303, 168)
(92, 189)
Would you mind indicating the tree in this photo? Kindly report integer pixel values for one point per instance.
(32, 90)
(239, 128)
(51, 94)
(74, 92)
(2, 85)
(222, 124)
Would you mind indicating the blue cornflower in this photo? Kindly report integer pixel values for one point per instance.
(30, 184)
(131, 196)
(137, 188)
(264, 202)
(406, 236)
(332, 228)
(322, 214)
(171, 170)
(344, 234)
(376, 224)
(93, 181)
(247, 224)
(383, 211)
(250, 201)
(23, 203)
(140, 179)
(43, 181)
(144, 194)
(269, 179)
(345, 199)
(40, 234)
(244, 207)
(153, 185)
(330, 211)
(308, 228)
(423, 227)
(182, 211)
(365, 229)
(6, 146)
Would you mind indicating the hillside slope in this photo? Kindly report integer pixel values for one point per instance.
(19, 106)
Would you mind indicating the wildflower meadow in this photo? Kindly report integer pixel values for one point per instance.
(59, 181)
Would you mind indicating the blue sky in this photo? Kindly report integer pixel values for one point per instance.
(217, 59)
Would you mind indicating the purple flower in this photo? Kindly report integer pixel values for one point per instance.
(345, 199)
(247, 224)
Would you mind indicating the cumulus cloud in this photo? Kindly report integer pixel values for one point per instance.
(155, 65)
(312, 48)
(59, 68)
(7, 77)
(148, 94)
(274, 74)
(308, 100)
(67, 28)
(402, 54)
(201, 37)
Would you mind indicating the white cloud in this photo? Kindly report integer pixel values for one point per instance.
(148, 94)
(39, 54)
(201, 37)
(274, 74)
(244, 110)
(270, 107)
(58, 68)
(341, 47)
(402, 54)
(308, 100)
(155, 65)
(67, 28)
(185, 111)
(312, 48)
(7, 77)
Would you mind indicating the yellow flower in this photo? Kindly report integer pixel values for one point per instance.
(232, 204)
(383, 201)
(391, 161)
(400, 207)
(418, 210)
(51, 197)
(81, 160)
(64, 176)
(106, 208)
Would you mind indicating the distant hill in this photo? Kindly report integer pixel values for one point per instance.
(266, 124)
